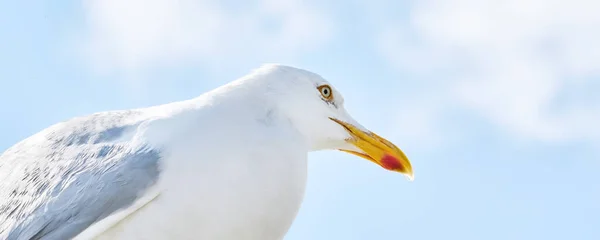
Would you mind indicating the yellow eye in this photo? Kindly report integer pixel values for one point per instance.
(326, 92)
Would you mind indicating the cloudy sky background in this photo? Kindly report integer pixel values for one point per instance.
(495, 102)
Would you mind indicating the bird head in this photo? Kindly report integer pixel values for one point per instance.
(317, 110)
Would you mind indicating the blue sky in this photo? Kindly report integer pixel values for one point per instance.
(494, 102)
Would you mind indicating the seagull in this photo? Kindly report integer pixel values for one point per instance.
(228, 164)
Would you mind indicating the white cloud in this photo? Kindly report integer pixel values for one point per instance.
(508, 60)
(137, 34)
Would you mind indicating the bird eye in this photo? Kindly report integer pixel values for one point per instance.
(326, 92)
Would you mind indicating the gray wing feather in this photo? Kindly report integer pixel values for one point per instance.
(60, 181)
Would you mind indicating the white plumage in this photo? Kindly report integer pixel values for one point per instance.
(229, 164)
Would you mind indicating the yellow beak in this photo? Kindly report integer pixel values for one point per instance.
(377, 150)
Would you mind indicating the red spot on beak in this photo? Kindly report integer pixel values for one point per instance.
(390, 162)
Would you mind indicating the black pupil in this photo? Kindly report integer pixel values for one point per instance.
(325, 91)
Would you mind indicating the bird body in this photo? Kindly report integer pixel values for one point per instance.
(229, 164)
(255, 189)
